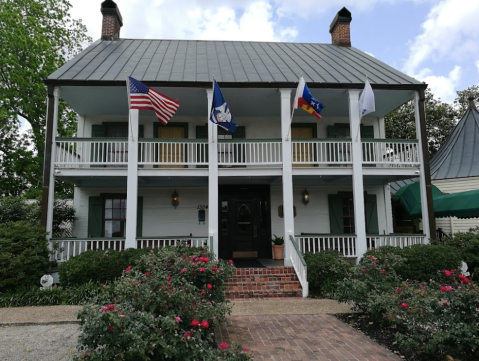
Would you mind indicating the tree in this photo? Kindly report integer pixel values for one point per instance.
(37, 37)
(441, 118)
(461, 101)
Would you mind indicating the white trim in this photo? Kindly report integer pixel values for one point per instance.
(287, 173)
(388, 209)
(422, 177)
(212, 176)
(132, 182)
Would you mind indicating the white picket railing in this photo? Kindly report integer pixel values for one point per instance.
(345, 244)
(88, 151)
(299, 265)
(160, 242)
(404, 240)
(173, 152)
(321, 151)
(391, 153)
(247, 152)
(64, 249)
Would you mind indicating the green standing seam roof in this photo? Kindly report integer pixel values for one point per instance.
(229, 61)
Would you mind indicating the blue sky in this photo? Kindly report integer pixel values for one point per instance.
(432, 40)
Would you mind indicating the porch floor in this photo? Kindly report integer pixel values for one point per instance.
(257, 263)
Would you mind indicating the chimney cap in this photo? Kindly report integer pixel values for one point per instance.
(342, 17)
(110, 7)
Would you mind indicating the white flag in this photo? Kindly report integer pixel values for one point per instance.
(366, 100)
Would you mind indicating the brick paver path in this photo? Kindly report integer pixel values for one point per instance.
(302, 337)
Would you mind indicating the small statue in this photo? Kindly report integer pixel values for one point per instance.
(46, 281)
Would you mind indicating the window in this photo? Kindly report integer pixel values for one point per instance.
(114, 217)
(341, 213)
(348, 214)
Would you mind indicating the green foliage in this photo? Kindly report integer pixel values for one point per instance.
(277, 241)
(38, 36)
(435, 322)
(165, 309)
(52, 296)
(441, 118)
(325, 269)
(99, 266)
(462, 102)
(24, 255)
(420, 262)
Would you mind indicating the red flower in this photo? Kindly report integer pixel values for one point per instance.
(153, 267)
(206, 259)
(203, 292)
(230, 262)
(168, 278)
(183, 256)
(202, 269)
(347, 261)
(195, 323)
(192, 272)
(204, 324)
(147, 273)
(447, 273)
(445, 304)
(151, 258)
(383, 271)
(214, 268)
(363, 270)
(169, 284)
(110, 329)
(187, 334)
(111, 307)
(223, 345)
(208, 286)
(404, 305)
(445, 288)
(373, 262)
(203, 251)
(398, 291)
(128, 269)
(246, 349)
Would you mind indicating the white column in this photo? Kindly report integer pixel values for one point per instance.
(212, 177)
(388, 209)
(288, 202)
(422, 176)
(132, 181)
(358, 188)
(51, 194)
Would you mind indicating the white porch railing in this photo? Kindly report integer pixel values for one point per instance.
(160, 242)
(392, 153)
(299, 265)
(173, 152)
(345, 244)
(322, 151)
(77, 152)
(249, 152)
(64, 249)
(404, 240)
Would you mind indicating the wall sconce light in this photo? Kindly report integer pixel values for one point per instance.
(175, 199)
(305, 197)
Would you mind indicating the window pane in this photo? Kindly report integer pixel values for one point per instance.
(108, 203)
(108, 213)
(116, 203)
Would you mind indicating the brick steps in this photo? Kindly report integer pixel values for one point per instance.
(270, 282)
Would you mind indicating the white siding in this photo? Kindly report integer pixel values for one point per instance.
(453, 225)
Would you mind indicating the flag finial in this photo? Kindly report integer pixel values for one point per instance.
(213, 77)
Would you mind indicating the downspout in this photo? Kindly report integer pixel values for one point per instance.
(427, 170)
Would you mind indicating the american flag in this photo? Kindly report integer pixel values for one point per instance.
(143, 97)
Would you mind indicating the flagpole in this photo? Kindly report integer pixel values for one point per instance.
(129, 105)
(292, 112)
(213, 90)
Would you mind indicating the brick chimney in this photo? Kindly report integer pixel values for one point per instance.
(339, 28)
(112, 21)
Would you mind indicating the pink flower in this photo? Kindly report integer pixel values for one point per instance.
(373, 262)
(177, 319)
(202, 269)
(139, 281)
(183, 270)
(387, 254)
(398, 291)
(153, 267)
(445, 288)
(122, 316)
(169, 284)
(168, 278)
(203, 251)
(204, 324)
(447, 273)
(147, 273)
(246, 349)
(208, 286)
(369, 256)
(187, 334)
(404, 305)
(445, 304)
(215, 269)
(195, 323)
(223, 345)
(230, 262)
(422, 287)
(128, 269)
(183, 256)
(363, 270)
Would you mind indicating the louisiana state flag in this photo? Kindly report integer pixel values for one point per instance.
(306, 101)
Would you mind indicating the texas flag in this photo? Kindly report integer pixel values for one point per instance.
(305, 100)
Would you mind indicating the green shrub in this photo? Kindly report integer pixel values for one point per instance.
(468, 244)
(98, 266)
(24, 256)
(52, 296)
(166, 307)
(325, 268)
(421, 262)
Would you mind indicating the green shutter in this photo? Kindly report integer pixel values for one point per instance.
(95, 217)
(333, 131)
(202, 133)
(335, 214)
(141, 131)
(139, 217)
(367, 131)
(240, 133)
(371, 210)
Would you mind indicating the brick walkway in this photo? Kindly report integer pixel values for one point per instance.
(302, 337)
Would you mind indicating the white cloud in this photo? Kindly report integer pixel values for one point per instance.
(443, 87)
(477, 65)
(449, 33)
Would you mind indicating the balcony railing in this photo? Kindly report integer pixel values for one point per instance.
(345, 244)
(395, 240)
(173, 153)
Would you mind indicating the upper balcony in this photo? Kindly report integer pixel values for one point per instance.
(76, 153)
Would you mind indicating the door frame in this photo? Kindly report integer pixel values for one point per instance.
(260, 193)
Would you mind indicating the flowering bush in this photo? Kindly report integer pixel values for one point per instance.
(165, 309)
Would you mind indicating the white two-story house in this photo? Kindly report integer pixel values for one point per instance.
(320, 183)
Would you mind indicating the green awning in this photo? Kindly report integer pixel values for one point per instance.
(461, 205)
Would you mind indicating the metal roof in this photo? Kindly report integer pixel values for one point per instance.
(189, 61)
(459, 155)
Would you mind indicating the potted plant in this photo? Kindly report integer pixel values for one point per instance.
(278, 247)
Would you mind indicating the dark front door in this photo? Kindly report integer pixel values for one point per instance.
(245, 222)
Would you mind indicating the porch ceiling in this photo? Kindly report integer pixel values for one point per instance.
(243, 102)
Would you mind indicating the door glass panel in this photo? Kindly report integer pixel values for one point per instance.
(243, 217)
